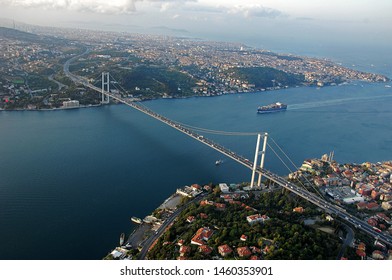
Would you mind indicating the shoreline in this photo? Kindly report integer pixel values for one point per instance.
(52, 109)
(353, 82)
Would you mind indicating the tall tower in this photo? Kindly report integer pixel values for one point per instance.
(257, 153)
(105, 87)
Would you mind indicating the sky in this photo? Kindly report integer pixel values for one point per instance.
(257, 22)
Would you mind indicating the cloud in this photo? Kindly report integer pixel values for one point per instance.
(305, 18)
(95, 6)
(255, 11)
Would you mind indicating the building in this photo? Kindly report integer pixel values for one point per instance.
(378, 255)
(298, 209)
(243, 237)
(189, 191)
(386, 205)
(206, 250)
(372, 206)
(71, 104)
(224, 188)
(224, 250)
(257, 218)
(244, 252)
(184, 250)
(202, 235)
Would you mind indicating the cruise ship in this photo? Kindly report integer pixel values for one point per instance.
(276, 107)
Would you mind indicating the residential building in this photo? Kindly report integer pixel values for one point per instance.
(257, 218)
(202, 235)
(224, 250)
(244, 251)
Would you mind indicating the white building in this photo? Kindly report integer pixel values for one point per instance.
(71, 104)
(257, 219)
(224, 188)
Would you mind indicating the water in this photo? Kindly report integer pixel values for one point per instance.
(70, 180)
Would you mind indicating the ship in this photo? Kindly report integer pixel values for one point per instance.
(122, 238)
(276, 107)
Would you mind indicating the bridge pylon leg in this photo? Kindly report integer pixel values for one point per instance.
(262, 157)
(255, 161)
(105, 87)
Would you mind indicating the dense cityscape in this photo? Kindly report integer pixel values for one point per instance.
(147, 66)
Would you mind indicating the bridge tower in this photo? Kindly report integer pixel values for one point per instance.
(257, 153)
(105, 87)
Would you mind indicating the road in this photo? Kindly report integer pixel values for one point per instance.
(347, 241)
(147, 244)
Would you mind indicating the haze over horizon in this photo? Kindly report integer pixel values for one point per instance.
(233, 20)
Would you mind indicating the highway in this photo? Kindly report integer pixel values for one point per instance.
(147, 244)
(309, 196)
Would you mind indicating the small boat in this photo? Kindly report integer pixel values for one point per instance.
(136, 220)
(122, 239)
(218, 162)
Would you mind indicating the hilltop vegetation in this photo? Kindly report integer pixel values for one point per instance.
(283, 236)
(266, 77)
(145, 81)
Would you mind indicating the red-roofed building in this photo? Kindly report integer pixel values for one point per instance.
(180, 242)
(361, 205)
(372, 222)
(254, 258)
(298, 209)
(361, 246)
(224, 250)
(348, 174)
(220, 206)
(191, 219)
(206, 250)
(202, 235)
(257, 219)
(375, 195)
(378, 255)
(203, 216)
(196, 187)
(318, 182)
(372, 206)
(206, 202)
(244, 251)
(360, 253)
(184, 250)
(243, 237)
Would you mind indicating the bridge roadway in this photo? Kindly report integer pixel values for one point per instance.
(309, 196)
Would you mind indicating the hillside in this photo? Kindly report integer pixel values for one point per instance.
(266, 77)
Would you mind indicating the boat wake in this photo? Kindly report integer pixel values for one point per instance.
(334, 102)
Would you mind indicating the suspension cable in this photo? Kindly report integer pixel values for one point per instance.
(296, 167)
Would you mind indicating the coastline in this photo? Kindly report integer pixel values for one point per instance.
(54, 109)
(147, 228)
(351, 82)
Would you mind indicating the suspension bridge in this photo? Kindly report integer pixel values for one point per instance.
(253, 166)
